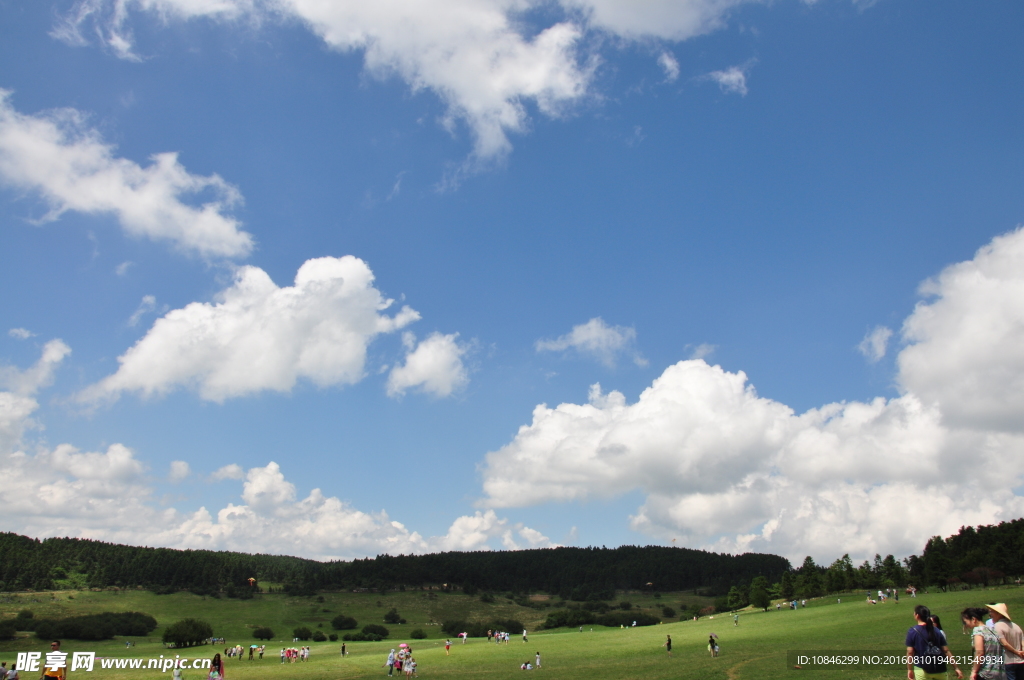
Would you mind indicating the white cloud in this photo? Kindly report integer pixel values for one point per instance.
(108, 496)
(670, 65)
(724, 468)
(259, 337)
(147, 305)
(702, 351)
(180, 471)
(732, 80)
(434, 366)
(874, 344)
(122, 269)
(232, 471)
(29, 381)
(72, 168)
(479, 57)
(966, 341)
(597, 340)
(21, 333)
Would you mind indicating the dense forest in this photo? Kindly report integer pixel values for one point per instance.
(975, 555)
(576, 573)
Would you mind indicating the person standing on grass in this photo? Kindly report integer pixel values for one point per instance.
(448, 644)
(667, 645)
(537, 661)
(55, 672)
(927, 649)
(712, 645)
(988, 653)
(1012, 640)
(390, 663)
(342, 650)
(735, 619)
(216, 668)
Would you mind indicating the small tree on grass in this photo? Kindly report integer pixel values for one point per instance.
(318, 636)
(418, 634)
(302, 633)
(342, 622)
(188, 632)
(263, 633)
(759, 596)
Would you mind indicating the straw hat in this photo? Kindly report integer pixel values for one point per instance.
(1000, 608)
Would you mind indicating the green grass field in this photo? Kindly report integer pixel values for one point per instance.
(754, 650)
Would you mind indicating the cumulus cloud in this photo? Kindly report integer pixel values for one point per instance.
(670, 65)
(875, 343)
(56, 155)
(258, 336)
(597, 340)
(31, 380)
(180, 471)
(20, 333)
(108, 495)
(965, 341)
(434, 366)
(726, 468)
(479, 57)
(732, 80)
(232, 471)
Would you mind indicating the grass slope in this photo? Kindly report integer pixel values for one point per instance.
(755, 650)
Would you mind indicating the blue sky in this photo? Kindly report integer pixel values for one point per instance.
(742, 220)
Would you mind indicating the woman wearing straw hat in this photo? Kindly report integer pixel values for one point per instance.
(1011, 638)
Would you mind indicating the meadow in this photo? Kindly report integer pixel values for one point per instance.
(755, 649)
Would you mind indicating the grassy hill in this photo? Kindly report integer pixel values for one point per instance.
(756, 649)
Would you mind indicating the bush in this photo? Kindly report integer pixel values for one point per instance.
(361, 637)
(376, 629)
(668, 612)
(302, 633)
(318, 636)
(392, 616)
(263, 633)
(7, 630)
(95, 626)
(479, 629)
(624, 605)
(617, 619)
(487, 597)
(333, 637)
(418, 634)
(188, 632)
(342, 622)
(569, 618)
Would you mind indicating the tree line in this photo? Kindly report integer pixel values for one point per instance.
(573, 573)
(981, 555)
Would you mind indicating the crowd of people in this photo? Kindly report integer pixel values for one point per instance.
(293, 654)
(997, 645)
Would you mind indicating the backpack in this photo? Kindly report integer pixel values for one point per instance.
(934, 660)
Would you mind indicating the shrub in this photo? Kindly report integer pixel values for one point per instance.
(302, 633)
(668, 612)
(318, 636)
(95, 626)
(342, 622)
(617, 619)
(392, 616)
(418, 634)
(569, 618)
(376, 629)
(188, 632)
(361, 637)
(625, 605)
(263, 633)
(487, 597)
(333, 637)
(7, 630)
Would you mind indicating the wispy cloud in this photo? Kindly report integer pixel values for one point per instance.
(597, 340)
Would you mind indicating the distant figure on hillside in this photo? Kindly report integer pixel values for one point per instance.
(448, 645)
(537, 660)
(524, 635)
(343, 650)
(667, 645)
(735, 619)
